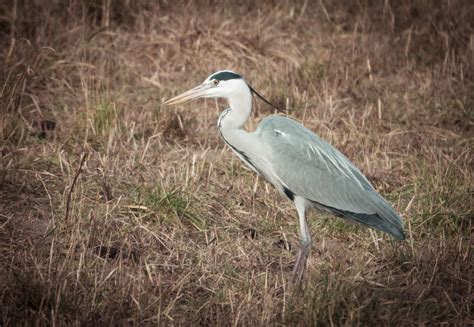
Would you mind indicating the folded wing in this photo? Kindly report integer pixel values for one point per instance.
(310, 167)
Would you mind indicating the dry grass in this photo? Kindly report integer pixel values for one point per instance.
(164, 225)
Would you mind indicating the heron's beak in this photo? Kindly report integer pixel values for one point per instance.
(197, 92)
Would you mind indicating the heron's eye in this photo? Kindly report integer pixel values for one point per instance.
(215, 82)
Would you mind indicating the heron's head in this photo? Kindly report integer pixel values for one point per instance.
(221, 84)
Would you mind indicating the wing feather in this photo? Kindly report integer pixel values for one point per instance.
(315, 170)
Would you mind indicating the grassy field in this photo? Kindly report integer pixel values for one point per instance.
(115, 209)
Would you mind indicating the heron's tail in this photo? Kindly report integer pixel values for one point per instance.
(385, 219)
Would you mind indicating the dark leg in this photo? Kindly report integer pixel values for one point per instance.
(300, 264)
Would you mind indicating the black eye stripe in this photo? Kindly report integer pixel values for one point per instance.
(225, 76)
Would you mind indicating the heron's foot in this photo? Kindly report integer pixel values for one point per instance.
(300, 264)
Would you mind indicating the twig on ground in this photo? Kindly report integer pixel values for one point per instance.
(69, 195)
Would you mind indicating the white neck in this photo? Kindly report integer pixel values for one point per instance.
(240, 109)
(247, 146)
(231, 121)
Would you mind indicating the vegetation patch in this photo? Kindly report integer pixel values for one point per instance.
(115, 209)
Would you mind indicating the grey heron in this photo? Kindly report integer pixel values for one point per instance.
(302, 166)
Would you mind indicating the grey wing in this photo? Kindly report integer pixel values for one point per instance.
(307, 166)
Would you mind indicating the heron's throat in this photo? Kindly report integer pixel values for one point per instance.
(238, 113)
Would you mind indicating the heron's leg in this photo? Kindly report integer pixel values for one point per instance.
(305, 241)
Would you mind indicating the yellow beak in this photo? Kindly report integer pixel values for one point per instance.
(197, 92)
